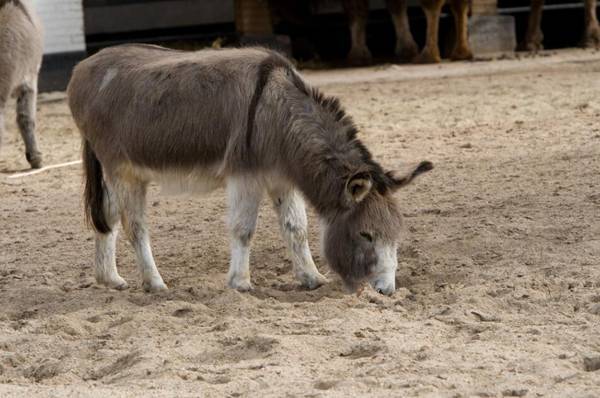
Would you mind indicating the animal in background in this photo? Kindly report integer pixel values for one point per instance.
(406, 48)
(534, 37)
(20, 60)
(298, 12)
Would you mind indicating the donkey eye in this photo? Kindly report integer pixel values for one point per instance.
(367, 236)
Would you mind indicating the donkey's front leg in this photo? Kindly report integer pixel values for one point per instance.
(292, 221)
(243, 195)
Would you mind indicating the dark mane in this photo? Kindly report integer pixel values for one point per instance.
(333, 106)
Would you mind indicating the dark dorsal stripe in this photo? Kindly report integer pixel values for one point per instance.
(264, 72)
(19, 5)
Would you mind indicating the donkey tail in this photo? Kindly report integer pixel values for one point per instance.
(94, 190)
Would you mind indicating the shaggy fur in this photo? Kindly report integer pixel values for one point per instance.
(219, 115)
(20, 61)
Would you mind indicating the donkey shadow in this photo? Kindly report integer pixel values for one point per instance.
(294, 293)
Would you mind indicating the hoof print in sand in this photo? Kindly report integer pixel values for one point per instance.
(325, 384)
(183, 312)
(120, 365)
(591, 364)
(48, 369)
(362, 351)
(237, 349)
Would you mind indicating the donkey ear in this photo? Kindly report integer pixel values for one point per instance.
(405, 176)
(358, 187)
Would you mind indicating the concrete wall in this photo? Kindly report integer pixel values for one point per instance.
(120, 17)
(63, 25)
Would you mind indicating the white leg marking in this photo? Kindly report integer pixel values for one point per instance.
(132, 201)
(105, 261)
(293, 224)
(243, 195)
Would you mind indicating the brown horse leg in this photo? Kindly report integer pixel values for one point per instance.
(460, 10)
(358, 13)
(406, 48)
(431, 51)
(591, 36)
(534, 36)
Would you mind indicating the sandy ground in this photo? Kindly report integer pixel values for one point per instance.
(498, 280)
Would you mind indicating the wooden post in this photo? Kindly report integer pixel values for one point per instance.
(484, 7)
(254, 26)
(253, 17)
(489, 32)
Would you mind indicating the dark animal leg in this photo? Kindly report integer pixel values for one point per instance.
(460, 10)
(26, 103)
(431, 51)
(534, 36)
(591, 35)
(358, 13)
(406, 48)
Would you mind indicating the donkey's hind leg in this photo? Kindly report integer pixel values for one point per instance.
(26, 108)
(243, 196)
(106, 263)
(131, 196)
(293, 224)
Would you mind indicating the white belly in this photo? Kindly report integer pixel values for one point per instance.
(177, 182)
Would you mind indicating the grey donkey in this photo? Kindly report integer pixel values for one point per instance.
(20, 61)
(243, 119)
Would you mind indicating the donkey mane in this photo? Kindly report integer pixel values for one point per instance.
(333, 106)
(329, 104)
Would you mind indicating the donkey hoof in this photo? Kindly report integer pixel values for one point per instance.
(154, 286)
(242, 286)
(386, 290)
(34, 159)
(312, 282)
(116, 283)
(119, 285)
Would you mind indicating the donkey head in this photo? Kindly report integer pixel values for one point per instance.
(360, 242)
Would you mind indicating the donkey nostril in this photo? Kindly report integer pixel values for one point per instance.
(380, 291)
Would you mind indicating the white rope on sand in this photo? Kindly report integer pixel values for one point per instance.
(54, 166)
